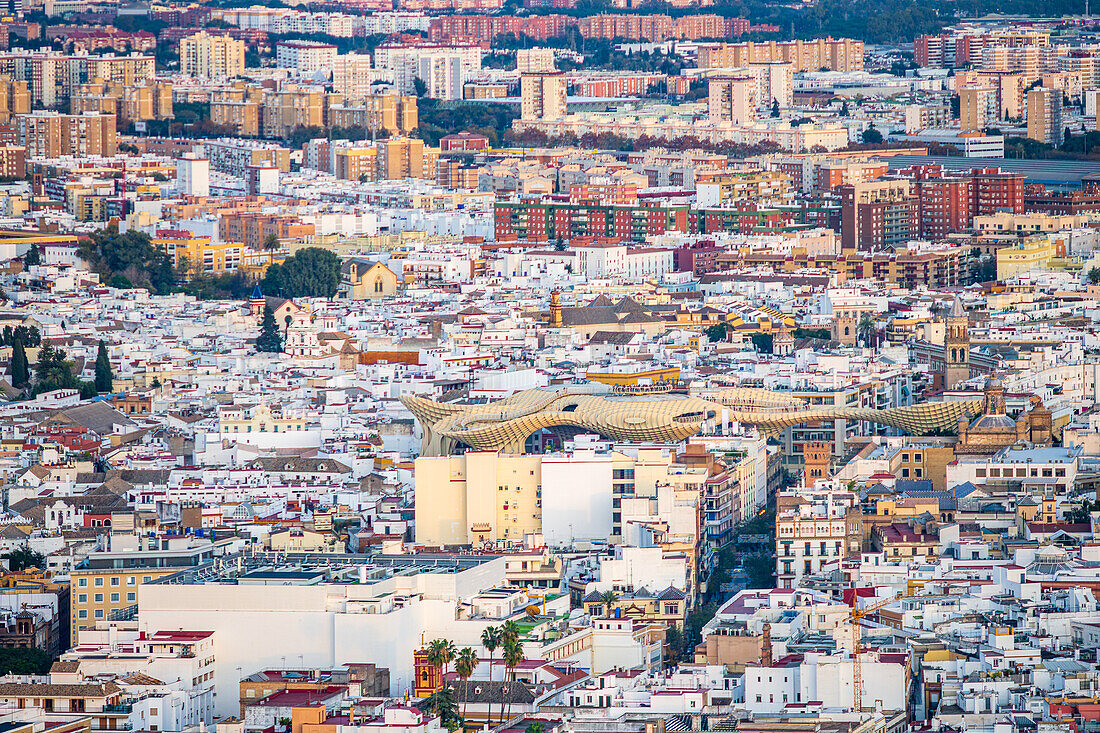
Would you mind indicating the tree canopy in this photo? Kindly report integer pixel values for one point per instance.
(54, 371)
(269, 340)
(309, 273)
(104, 377)
(131, 255)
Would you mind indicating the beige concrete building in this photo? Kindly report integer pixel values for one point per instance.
(405, 157)
(211, 57)
(1044, 115)
(733, 100)
(477, 497)
(392, 113)
(834, 54)
(15, 98)
(52, 134)
(145, 101)
(534, 60)
(977, 107)
(542, 95)
(288, 108)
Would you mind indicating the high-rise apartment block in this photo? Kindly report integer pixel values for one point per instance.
(305, 57)
(211, 57)
(542, 95)
(977, 107)
(839, 54)
(52, 134)
(877, 215)
(733, 100)
(1044, 115)
(534, 60)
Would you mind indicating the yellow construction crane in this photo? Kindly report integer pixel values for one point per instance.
(857, 615)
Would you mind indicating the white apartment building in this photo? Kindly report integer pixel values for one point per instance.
(813, 533)
(442, 68)
(304, 57)
(827, 679)
(1052, 467)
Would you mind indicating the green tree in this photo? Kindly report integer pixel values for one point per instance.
(762, 342)
(513, 657)
(465, 664)
(775, 108)
(309, 273)
(1094, 275)
(871, 135)
(441, 652)
(53, 371)
(535, 727)
(22, 558)
(271, 242)
(269, 340)
(509, 633)
(491, 640)
(24, 660)
(608, 599)
(866, 327)
(132, 255)
(442, 703)
(844, 109)
(718, 332)
(33, 256)
(20, 370)
(104, 378)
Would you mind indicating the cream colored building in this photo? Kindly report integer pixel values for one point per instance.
(586, 493)
(534, 60)
(732, 99)
(211, 57)
(477, 497)
(1032, 222)
(977, 107)
(1030, 255)
(542, 95)
(1044, 115)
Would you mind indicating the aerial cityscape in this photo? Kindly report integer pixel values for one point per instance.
(549, 366)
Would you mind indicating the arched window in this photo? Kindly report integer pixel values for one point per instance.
(378, 284)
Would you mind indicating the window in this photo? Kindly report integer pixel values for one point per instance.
(82, 598)
(82, 583)
(99, 582)
(115, 581)
(131, 580)
(114, 598)
(99, 598)
(131, 597)
(82, 614)
(99, 613)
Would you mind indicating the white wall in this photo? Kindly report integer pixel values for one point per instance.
(576, 497)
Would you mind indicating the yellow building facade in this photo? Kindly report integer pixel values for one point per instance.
(1029, 256)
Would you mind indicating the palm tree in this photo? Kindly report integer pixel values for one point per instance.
(442, 703)
(465, 664)
(436, 655)
(509, 632)
(608, 598)
(448, 653)
(490, 639)
(513, 655)
(866, 327)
